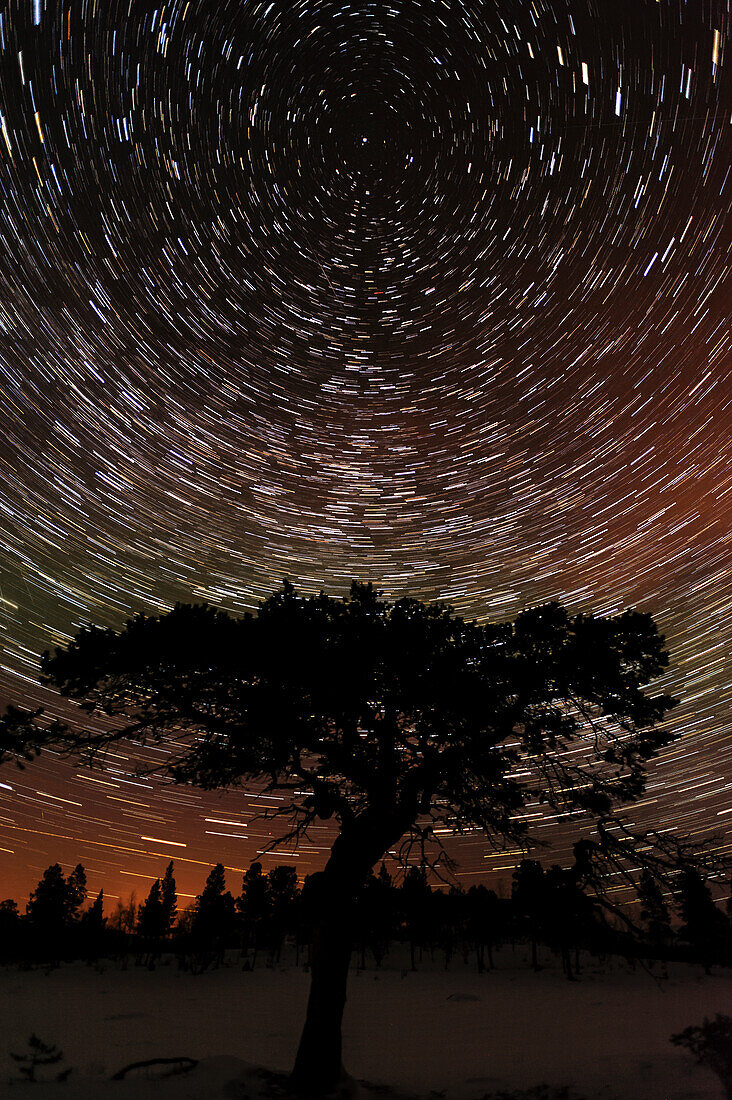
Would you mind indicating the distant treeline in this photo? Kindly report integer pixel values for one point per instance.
(547, 910)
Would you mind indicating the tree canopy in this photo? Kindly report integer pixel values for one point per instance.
(392, 709)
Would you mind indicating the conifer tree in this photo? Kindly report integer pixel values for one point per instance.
(213, 920)
(96, 918)
(374, 914)
(282, 891)
(169, 900)
(48, 905)
(568, 915)
(704, 926)
(252, 905)
(91, 926)
(151, 916)
(76, 891)
(482, 922)
(53, 908)
(393, 720)
(654, 911)
(528, 894)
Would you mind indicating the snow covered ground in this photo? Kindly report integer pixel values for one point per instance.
(454, 1032)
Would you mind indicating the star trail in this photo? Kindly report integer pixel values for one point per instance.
(434, 294)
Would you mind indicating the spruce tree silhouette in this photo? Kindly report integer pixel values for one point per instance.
(169, 900)
(568, 915)
(252, 908)
(92, 925)
(705, 926)
(374, 916)
(76, 891)
(151, 918)
(446, 921)
(528, 892)
(53, 906)
(94, 917)
(483, 922)
(282, 889)
(48, 904)
(394, 718)
(213, 919)
(654, 911)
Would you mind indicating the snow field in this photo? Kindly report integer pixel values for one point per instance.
(455, 1032)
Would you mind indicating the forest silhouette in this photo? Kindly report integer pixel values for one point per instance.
(548, 910)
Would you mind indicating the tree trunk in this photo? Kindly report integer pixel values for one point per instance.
(318, 1065)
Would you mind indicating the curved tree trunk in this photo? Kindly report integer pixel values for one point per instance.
(318, 1065)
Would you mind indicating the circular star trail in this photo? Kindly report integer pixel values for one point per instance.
(434, 294)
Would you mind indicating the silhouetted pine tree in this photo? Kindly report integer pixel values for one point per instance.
(446, 913)
(654, 911)
(213, 920)
(169, 900)
(151, 920)
(704, 925)
(49, 911)
(48, 903)
(374, 915)
(252, 908)
(375, 714)
(95, 914)
(483, 923)
(282, 891)
(568, 916)
(76, 891)
(528, 898)
(91, 927)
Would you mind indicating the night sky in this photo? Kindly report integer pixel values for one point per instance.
(435, 294)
